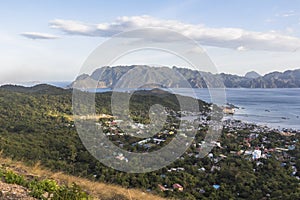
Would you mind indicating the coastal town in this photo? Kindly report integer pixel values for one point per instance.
(251, 142)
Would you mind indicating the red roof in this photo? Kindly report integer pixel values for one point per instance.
(176, 186)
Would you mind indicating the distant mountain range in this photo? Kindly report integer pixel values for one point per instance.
(108, 77)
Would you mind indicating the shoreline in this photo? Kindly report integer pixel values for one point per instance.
(236, 123)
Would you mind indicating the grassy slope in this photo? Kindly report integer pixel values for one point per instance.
(97, 190)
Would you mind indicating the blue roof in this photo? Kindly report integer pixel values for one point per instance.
(291, 147)
(216, 186)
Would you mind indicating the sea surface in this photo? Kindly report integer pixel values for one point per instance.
(276, 108)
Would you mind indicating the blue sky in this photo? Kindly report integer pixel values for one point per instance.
(40, 40)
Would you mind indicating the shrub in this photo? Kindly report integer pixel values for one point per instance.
(12, 178)
(46, 189)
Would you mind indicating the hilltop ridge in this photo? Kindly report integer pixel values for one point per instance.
(36, 89)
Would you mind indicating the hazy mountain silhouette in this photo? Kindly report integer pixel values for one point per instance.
(136, 75)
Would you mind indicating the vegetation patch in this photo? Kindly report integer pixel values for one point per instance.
(46, 188)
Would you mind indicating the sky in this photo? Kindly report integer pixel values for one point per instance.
(50, 40)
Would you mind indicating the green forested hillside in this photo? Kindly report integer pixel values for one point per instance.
(36, 125)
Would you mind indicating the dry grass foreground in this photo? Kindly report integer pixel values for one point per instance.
(97, 190)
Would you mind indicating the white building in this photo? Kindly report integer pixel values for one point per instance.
(256, 154)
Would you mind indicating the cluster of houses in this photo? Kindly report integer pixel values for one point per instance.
(195, 122)
(252, 153)
(175, 186)
(259, 150)
(111, 127)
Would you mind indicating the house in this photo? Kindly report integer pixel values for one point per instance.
(178, 187)
(228, 110)
(279, 149)
(232, 152)
(201, 169)
(256, 154)
(213, 168)
(216, 186)
(291, 147)
(222, 156)
(158, 141)
(287, 134)
(162, 188)
(171, 132)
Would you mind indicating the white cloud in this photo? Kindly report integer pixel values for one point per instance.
(36, 35)
(220, 37)
(241, 48)
(288, 14)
